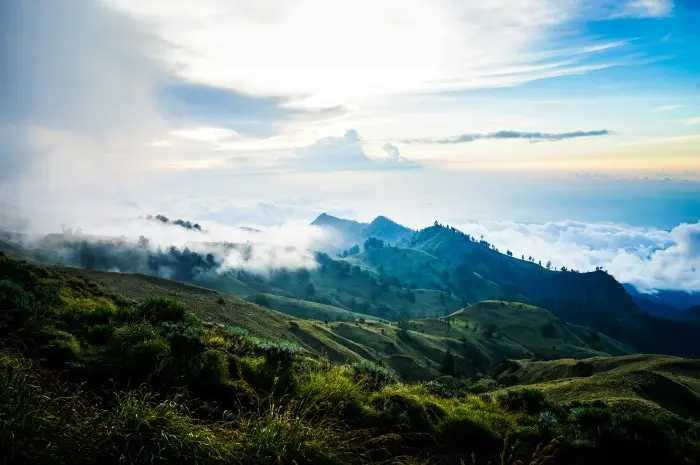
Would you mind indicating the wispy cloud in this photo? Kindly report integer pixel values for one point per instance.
(514, 135)
(690, 121)
(647, 8)
(669, 107)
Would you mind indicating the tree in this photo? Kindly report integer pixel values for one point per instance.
(448, 364)
(373, 243)
(303, 276)
(310, 289)
(411, 297)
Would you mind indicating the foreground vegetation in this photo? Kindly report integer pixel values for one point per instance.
(89, 376)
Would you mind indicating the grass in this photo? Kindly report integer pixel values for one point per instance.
(657, 384)
(306, 309)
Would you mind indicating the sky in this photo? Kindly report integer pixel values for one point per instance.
(264, 113)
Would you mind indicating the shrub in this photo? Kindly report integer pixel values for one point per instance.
(334, 388)
(376, 376)
(163, 309)
(127, 336)
(61, 347)
(438, 389)
(99, 315)
(13, 297)
(100, 334)
(148, 353)
(530, 400)
(274, 350)
(126, 315)
(184, 340)
(280, 436)
(547, 423)
(146, 431)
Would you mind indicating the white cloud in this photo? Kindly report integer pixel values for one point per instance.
(345, 154)
(335, 52)
(690, 121)
(205, 134)
(646, 257)
(648, 8)
(669, 107)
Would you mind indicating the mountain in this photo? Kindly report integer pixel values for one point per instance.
(387, 230)
(691, 315)
(350, 230)
(355, 233)
(664, 304)
(438, 271)
(592, 299)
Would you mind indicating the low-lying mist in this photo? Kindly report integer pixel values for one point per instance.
(178, 249)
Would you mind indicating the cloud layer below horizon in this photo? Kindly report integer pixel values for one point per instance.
(650, 259)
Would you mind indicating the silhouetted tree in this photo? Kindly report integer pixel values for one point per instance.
(310, 289)
(448, 364)
(373, 243)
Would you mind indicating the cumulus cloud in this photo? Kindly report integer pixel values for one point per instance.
(346, 154)
(648, 258)
(514, 135)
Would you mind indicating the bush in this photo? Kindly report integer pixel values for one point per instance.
(127, 336)
(146, 431)
(164, 309)
(529, 400)
(184, 340)
(13, 297)
(148, 353)
(99, 315)
(61, 347)
(547, 423)
(286, 436)
(274, 350)
(376, 376)
(100, 334)
(331, 389)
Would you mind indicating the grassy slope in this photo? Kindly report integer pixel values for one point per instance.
(637, 382)
(306, 309)
(415, 354)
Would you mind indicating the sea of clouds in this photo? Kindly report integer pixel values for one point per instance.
(648, 258)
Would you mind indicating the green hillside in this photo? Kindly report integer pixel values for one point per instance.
(478, 337)
(91, 376)
(305, 309)
(635, 382)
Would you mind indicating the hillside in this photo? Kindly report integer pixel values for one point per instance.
(648, 383)
(91, 376)
(438, 272)
(305, 309)
(479, 337)
(691, 315)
